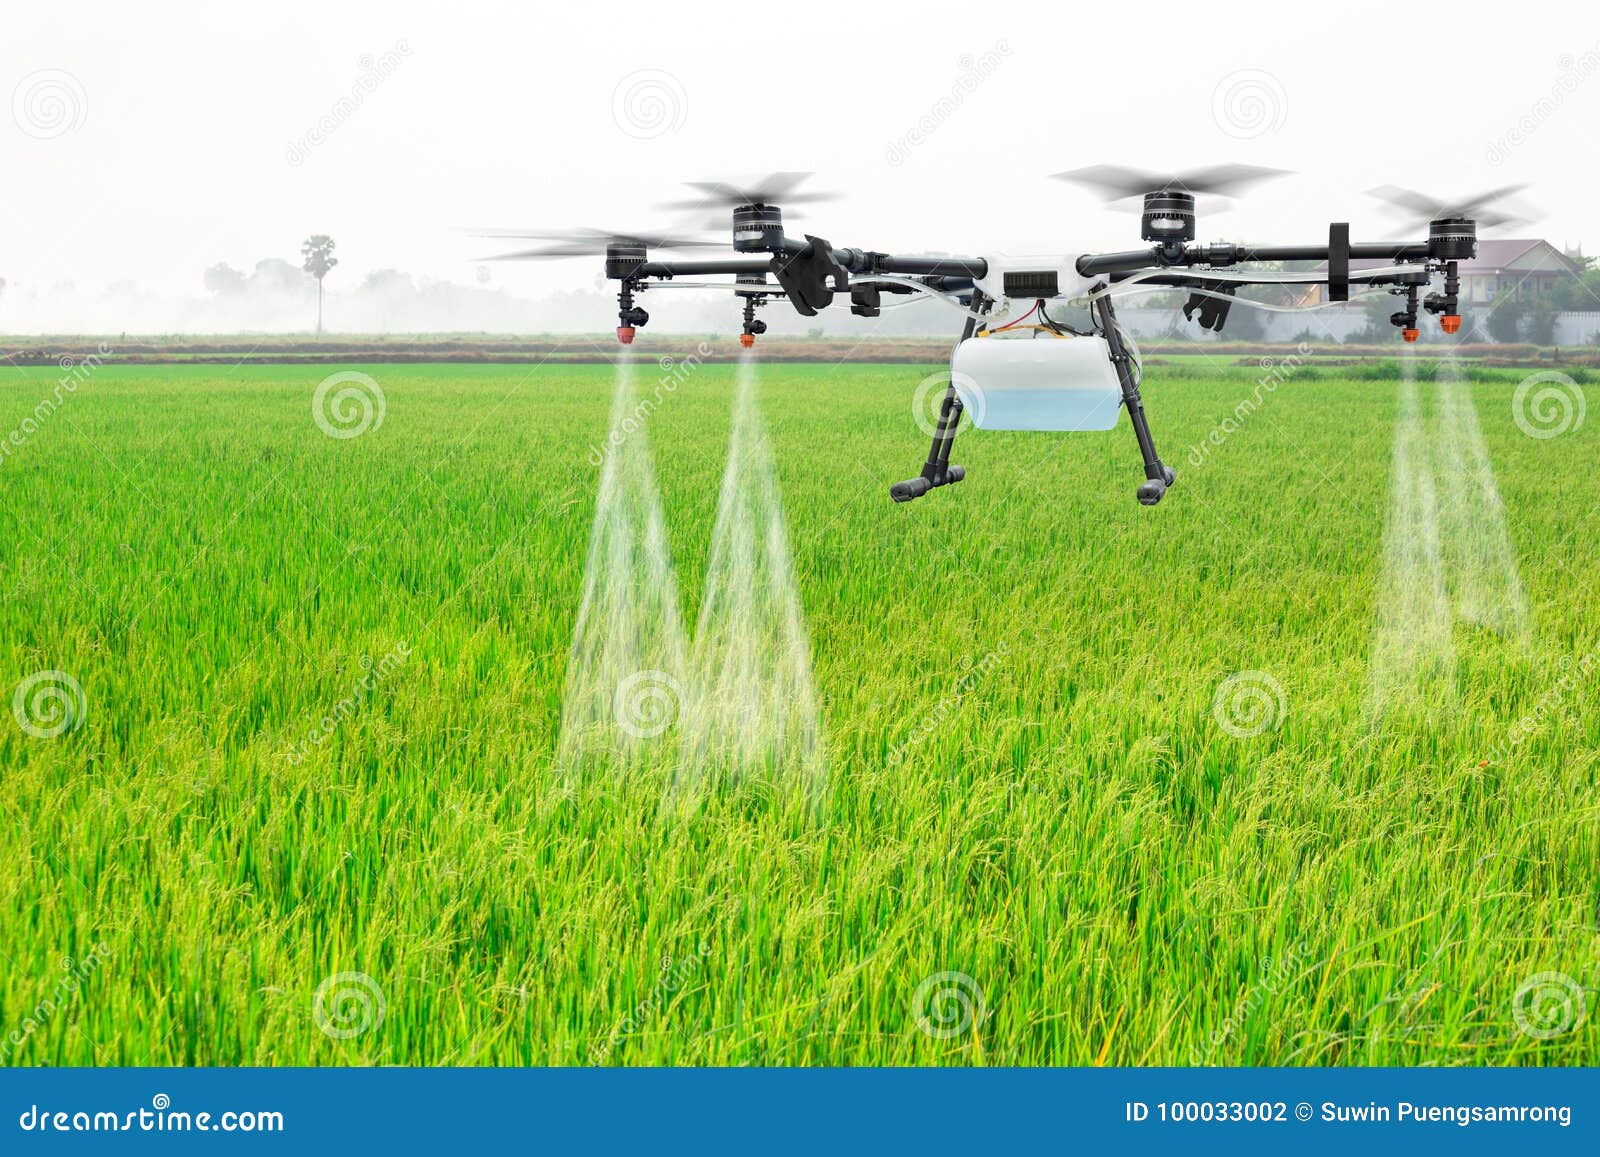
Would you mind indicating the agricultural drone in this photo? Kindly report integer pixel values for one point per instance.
(1018, 364)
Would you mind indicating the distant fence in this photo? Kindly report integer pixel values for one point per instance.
(1577, 328)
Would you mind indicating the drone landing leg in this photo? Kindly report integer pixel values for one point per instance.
(1157, 476)
(937, 471)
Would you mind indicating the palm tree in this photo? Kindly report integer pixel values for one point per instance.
(318, 252)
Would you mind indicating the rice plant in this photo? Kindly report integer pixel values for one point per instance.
(282, 782)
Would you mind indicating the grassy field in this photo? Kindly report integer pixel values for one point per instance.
(1043, 837)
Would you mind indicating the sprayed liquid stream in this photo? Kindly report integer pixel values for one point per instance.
(1447, 550)
(626, 674)
(754, 710)
(743, 705)
(1413, 646)
(1485, 581)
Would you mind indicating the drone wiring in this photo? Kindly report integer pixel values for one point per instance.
(1132, 283)
(1312, 308)
(919, 287)
(1036, 330)
(1268, 306)
(1061, 329)
(985, 332)
(1134, 353)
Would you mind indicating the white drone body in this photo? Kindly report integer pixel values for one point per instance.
(1032, 378)
(1011, 277)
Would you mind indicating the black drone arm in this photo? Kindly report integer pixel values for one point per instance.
(808, 274)
(850, 260)
(867, 261)
(1157, 257)
(1450, 241)
(666, 270)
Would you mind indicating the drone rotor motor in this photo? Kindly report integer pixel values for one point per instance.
(1452, 239)
(1168, 216)
(757, 229)
(623, 261)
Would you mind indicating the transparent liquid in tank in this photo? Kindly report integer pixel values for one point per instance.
(1048, 383)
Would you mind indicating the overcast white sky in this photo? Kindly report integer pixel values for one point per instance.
(146, 142)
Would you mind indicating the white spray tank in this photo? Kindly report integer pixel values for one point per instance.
(1048, 383)
(1028, 379)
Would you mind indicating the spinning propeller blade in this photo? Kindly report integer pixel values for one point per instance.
(1419, 208)
(773, 189)
(588, 243)
(1118, 182)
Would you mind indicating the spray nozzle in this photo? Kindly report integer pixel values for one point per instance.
(1447, 303)
(752, 326)
(630, 317)
(1405, 320)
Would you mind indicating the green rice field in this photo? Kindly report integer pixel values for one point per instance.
(1104, 784)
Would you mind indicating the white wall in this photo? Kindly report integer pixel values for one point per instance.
(1330, 324)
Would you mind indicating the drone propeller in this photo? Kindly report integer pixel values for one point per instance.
(1169, 198)
(773, 189)
(590, 242)
(1421, 208)
(757, 212)
(1118, 182)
